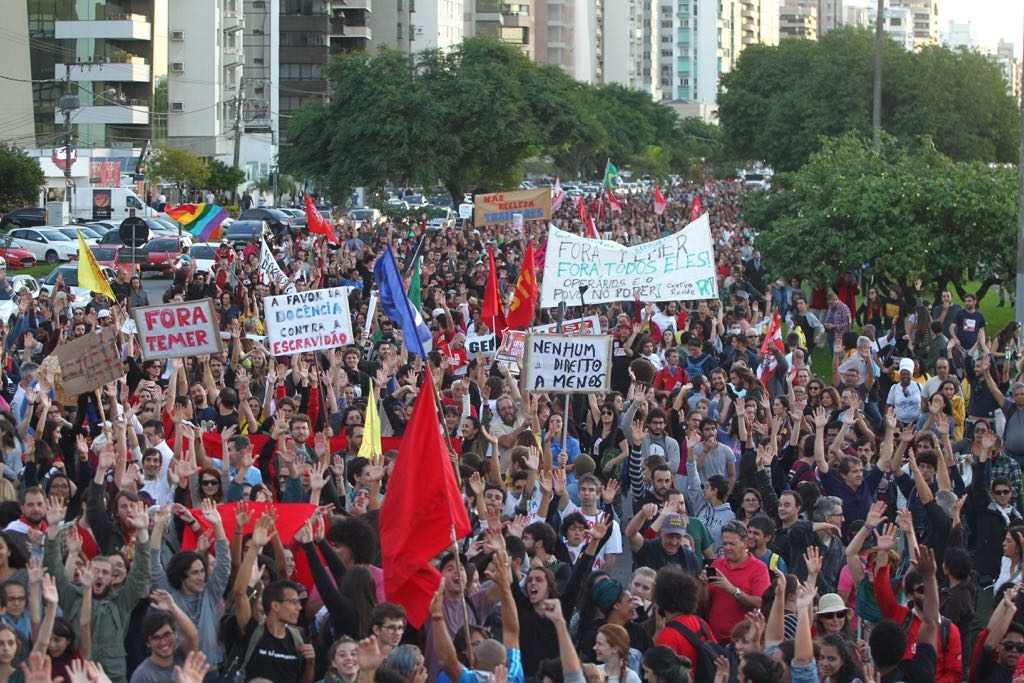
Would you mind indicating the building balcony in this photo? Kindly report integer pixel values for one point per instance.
(135, 113)
(343, 5)
(354, 33)
(136, 71)
(130, 27)
(232, 20)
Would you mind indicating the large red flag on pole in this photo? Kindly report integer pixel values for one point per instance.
(588, 222)
(613, 203)
(659, 201)
(493, 312)
(696, 209)
(317, 224)
(423, 513)
(524, 300)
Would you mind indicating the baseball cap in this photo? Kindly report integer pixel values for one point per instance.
(673, 524)
(104, 313)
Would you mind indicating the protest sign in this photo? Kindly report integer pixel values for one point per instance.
(486, 344)
(679, 267)
(271, 273)
(559, 363)
(89, 362)
(589, 325)
(513, 344)
(308, 321)
(177, 330)
(517, 222)
(501, 207)
(465, 211)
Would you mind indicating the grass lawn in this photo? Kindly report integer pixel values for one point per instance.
(995, 319)
(39, 272)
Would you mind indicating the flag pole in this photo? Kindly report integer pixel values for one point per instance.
(462, 594)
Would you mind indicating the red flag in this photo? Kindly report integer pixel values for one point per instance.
(772, 337)
(613, 203)
(659, 201)
(317, 224)
(588, 223)
(696, 209)
(493, 313)
(422, 509)
(524, 299)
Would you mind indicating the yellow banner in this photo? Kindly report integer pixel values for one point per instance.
(501, 207)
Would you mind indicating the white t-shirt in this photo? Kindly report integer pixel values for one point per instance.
(614, 544)
(906, 401)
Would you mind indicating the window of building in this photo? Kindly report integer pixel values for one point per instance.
(666, 39)
(666, 53)
(398, 31)
(666, 24)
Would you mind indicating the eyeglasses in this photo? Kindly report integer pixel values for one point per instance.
(833, 615)
(393, 628)
(15, 598)
(981, 430)
(1001, 492)
(210, 482)
(1010, 646)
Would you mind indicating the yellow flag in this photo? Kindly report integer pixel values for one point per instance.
(371, 447)
(89, 274)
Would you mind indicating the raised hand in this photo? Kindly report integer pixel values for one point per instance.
(318, 475)
(609, 491)
(805, 594)
(38, 669)
(551, 610)
(876, 514)
(886, 540)
(812, 558)
(35, 570)
(210, 512)
(56, 510)
(161, 600)
(194, 669)
(368, 654)
(924, 561)
(601, 528)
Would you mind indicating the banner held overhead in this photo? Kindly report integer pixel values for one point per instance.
(501, 207)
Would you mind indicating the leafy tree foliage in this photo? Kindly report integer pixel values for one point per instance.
(470, 117)
(224, 178)
(180, 167)
(904, 212)
(21, 178)
(780, 100)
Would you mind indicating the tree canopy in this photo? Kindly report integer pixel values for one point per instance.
(21, 178)
(906, 211)
(223, 178)
(179, 167)
(780, 100)
(470, 117)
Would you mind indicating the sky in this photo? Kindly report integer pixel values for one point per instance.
(990, 19)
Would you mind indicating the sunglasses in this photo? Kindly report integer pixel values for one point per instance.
(210, 482)
(1002, 492)
(833, 615)
(1011, 646)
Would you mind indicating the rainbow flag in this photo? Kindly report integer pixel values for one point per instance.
(203, 221)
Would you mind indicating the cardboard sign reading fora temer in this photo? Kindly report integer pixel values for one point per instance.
(177, 330)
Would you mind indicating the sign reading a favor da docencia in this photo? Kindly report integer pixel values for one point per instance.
(559, 363)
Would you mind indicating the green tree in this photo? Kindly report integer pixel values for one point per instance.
(21, 178)
(223, 178)
(906, 211)
(180, 167)
(780, 100)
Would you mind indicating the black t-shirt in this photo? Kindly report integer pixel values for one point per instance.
(920, 669)
(989, 669)
(276, 659)
(652, 555)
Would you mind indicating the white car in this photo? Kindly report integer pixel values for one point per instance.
(202, 256)
(9, 308)
(46, 243)
(91, 237)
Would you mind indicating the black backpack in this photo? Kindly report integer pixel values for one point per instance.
(707, 650)
(944, 624)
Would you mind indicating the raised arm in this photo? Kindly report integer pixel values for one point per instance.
(924, 562)
(162, 601)
(874, 518)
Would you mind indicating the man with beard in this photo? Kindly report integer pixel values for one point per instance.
(154, 477)
(507, 425)
(950, 667)
(714, 458)
(33, 517)
(111, 606)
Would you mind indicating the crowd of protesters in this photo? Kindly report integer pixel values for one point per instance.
(860, 519)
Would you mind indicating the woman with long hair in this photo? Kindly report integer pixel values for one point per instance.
(609, 447)
(1012, 564)
(837, 661)
(871, 311)
(611, 649)
(138, 296)
(750, 505)
(833, 617)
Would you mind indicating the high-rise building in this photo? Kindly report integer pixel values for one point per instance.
(798, 20)
(960, 34)
(107, 55)
(563, 36)
(898, 23)
(1008, 57)
(924, 18)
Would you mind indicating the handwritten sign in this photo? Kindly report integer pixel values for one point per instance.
(308, 321)
(89, 362)
(589, 325)
(679, 267)
(486, 344)
(558, 363)
(177, 330)
(271, 272)
(501, 207)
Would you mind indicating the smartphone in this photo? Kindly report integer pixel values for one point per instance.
(711, 571)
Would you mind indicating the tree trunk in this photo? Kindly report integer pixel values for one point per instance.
(454, 187)
(985, 286)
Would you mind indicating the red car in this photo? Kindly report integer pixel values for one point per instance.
(118, 257)
(17, 258)
(162, 253)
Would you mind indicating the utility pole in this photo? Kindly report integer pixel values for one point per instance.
(68, 104)
(1019, 305)
(238, 128)
(876, 109)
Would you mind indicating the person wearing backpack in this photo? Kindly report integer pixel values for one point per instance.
(676, 595)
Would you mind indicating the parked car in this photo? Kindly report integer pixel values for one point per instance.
(100, 227)
(371, 216)
(16, 258)
(277, 220)
(46, 244)
(202, 254)
(89, 235)
(28, 217)
(244, 232)
(78, 296)
(398, 204)
(119, 257)
(298, 217)
(163, 252)
(9, 307)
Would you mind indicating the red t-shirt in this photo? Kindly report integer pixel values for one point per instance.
(724, 610)
(678, 642)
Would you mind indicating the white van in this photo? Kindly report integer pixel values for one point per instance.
(108, 203)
